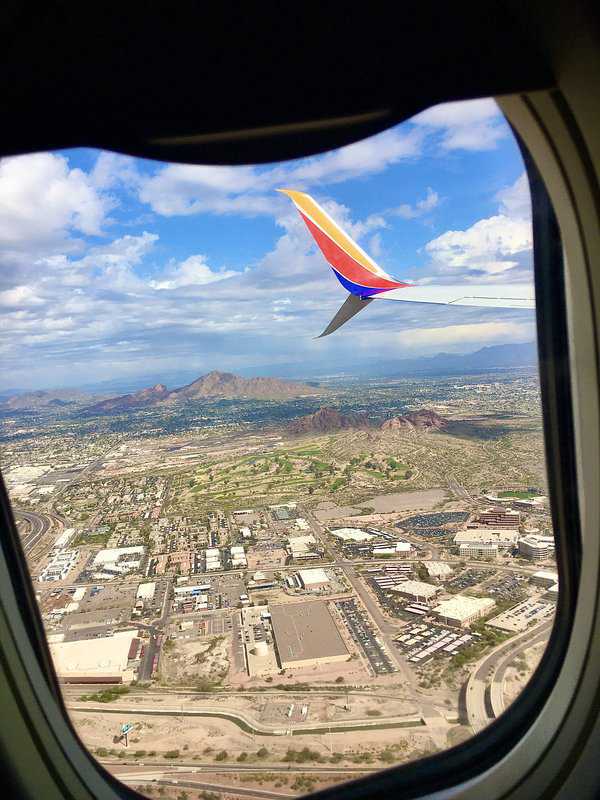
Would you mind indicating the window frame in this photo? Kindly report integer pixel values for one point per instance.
(528, 752)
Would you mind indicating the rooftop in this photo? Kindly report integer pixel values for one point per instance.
(305, 631)
(461, 607)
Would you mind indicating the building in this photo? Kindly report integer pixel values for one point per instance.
(238, 557)
(416, 591)
(544, 578)
(306, 635)
(313, 579)
(499, 517)
(107, 659)
(461, 610)
(59, 566)
(146, 591)
(302, 547)
(119, 560)
(351, 534)
(213, 559)
(504, 539)
(438, 569)
(302, 524)
(478, 550)
(536, 547)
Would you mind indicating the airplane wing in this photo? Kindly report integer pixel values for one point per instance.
(366, 281)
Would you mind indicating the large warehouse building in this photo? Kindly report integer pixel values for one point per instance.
(461, 610)
(306, 635)
(104, 660)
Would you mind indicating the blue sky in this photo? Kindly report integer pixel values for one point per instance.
(112, 266)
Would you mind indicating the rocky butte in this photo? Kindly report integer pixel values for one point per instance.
(326, 420)
(425, 419)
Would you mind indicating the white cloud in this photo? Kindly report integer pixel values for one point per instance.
(178, 189)
(475, 334)
(490, 246)
(515, 200)
(194, 271)
(465, 125)
(420, 208)
(42, 200)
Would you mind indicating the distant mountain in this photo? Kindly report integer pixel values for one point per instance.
(424, 419)
(228, 386)
(145, 397)
(213, 386)
(327, 420)
(44, 399)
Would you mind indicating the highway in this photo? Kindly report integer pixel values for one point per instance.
(119, 767)
(485, 671)
(186, 781)
(251, 725)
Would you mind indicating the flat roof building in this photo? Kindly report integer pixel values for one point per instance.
(306, 635)
(461, 610)
(351, 534)
(438, 569)
(545, 578)
(416, 590)
(302, 546)
(505, 539)
(101, 660)
(499, 517)
(146, 591)
(313, 578)
(536, 548)
(478, 550)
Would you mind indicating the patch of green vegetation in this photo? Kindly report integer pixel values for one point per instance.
(106, 695)
(518, 495)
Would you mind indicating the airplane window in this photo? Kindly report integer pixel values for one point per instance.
(280, 531)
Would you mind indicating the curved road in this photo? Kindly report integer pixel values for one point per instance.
(485, 671)
(40, 525)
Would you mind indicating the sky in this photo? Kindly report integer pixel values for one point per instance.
(118, 267)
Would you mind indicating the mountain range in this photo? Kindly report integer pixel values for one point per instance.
(214, 386)
(486, 359)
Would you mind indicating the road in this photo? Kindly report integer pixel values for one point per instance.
(119, 767)
(186, 781)
(155, 629)
(485, 671)
(40, 525)
(250, 724)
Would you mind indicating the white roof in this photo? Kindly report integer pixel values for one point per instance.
(352, 534)
(313, 576)
(461, 607)
(92, 657)
(146, 591)
(79, 594)
(547, 575)
(300, 544)
(417, 588)
(114, 553)
(437, 568)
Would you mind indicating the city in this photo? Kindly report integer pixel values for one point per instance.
(272, 602)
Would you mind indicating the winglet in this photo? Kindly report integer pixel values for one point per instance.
(349, 308)
(355, 269)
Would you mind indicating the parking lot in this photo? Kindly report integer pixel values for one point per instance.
(469, 578)
(507, 587)
(363, 634)
(523, 615)
(421, 641)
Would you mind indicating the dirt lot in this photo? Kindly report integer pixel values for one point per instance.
(185, 661)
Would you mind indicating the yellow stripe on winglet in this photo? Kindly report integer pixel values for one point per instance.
(305, 203)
